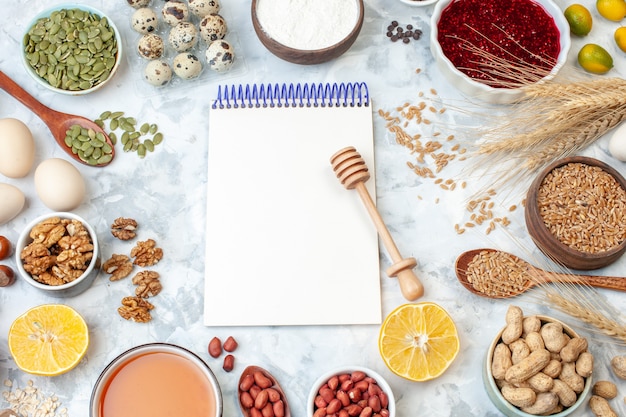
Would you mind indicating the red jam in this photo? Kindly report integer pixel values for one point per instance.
(518, 31)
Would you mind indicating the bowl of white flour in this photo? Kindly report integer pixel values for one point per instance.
(307, 31)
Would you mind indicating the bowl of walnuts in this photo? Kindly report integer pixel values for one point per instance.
(58, 254)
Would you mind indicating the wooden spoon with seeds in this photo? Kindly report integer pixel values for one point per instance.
(505, 286)
(250, 372)
(57, 122)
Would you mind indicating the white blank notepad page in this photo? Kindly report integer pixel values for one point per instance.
(286, 243)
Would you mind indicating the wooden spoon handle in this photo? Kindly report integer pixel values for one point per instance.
(45, 113)
(611, 283)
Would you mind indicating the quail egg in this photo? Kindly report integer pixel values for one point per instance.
(136, 4)
(158, 73)
(212, 27)
(201, 8)
(187, 66)
(175, 12)
(145, 20)
(183, 36)
(150, 46)
(219, 56)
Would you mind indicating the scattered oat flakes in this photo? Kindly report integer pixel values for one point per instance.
(30, 401)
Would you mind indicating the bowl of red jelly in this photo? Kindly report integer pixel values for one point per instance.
(491, 49)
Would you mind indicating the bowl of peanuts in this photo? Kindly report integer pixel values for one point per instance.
(574, 213)
(354, 389)
(58, 254)
(537, 365)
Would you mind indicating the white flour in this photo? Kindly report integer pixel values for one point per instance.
(307, 24)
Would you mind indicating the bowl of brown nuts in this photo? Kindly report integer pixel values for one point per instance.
(574, 213)
(355, 389)
(71, 49)
(58, 254)
(537, 365)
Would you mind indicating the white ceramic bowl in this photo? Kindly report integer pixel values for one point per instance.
(419, 3)
(72, 288)
(67, 6)
(197, 369)
(509, 410)
(325, 377)
(482, 91)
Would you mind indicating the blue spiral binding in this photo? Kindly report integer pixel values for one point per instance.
(292, 95)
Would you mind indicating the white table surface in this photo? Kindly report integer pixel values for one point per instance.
(165, 193)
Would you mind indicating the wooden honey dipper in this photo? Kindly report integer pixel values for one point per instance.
(352, 172)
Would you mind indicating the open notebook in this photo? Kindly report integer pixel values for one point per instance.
(286, 243)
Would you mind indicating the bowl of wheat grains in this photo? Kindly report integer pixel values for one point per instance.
(574, 213)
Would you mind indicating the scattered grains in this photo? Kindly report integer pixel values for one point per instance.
(395, 33)
(583, 206)
(31, 402)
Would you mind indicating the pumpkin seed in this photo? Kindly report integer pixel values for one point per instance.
(158, 138)
(149, 145)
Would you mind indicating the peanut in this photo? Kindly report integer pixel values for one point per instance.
(530, 324)
(528, 367)
(513, 330)
(215, 347)
(229, 363)
(584, 364)
(600, 407)
(618, 364)
(553, 368)
(553, 336)
(573, 349)
(605, 389)
(261, 380)
(567, 397)
(519, 350)
(545, 403)
(230, 344)
(501, 361)
(534, 341)
(519, 397)
(571, 378)
(541, 382)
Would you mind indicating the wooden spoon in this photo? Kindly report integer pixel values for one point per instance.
(520, 266)
(57, 122)
(7, 412)
(249, 372)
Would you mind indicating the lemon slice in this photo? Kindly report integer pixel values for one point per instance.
(418, 341)
(49, 339)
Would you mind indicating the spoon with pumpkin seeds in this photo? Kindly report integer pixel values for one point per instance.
(92, 139)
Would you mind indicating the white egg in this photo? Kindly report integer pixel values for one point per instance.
(617, 143)
(17, 148)
(59, 184)
(12, 202)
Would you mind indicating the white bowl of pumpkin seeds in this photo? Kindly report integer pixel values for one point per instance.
(72, 49)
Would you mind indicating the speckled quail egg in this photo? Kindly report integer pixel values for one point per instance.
(139, 3)
(150, 46)
(220, 56)
(187, 66)
(183, 36)
(175, 12)
(158, 73)
(145, 20)
(202, 8)
(212, 27)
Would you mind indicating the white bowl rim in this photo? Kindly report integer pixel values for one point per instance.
(24, 237)
(419, 3)
(518, 412)
(548, 5)
(120, 359)
(47, 12)
(380, 380)
(357, 28)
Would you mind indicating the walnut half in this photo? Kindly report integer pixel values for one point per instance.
(146, 253)
(148, 284)
(135, 309)
(118, 266)
(124, 228)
